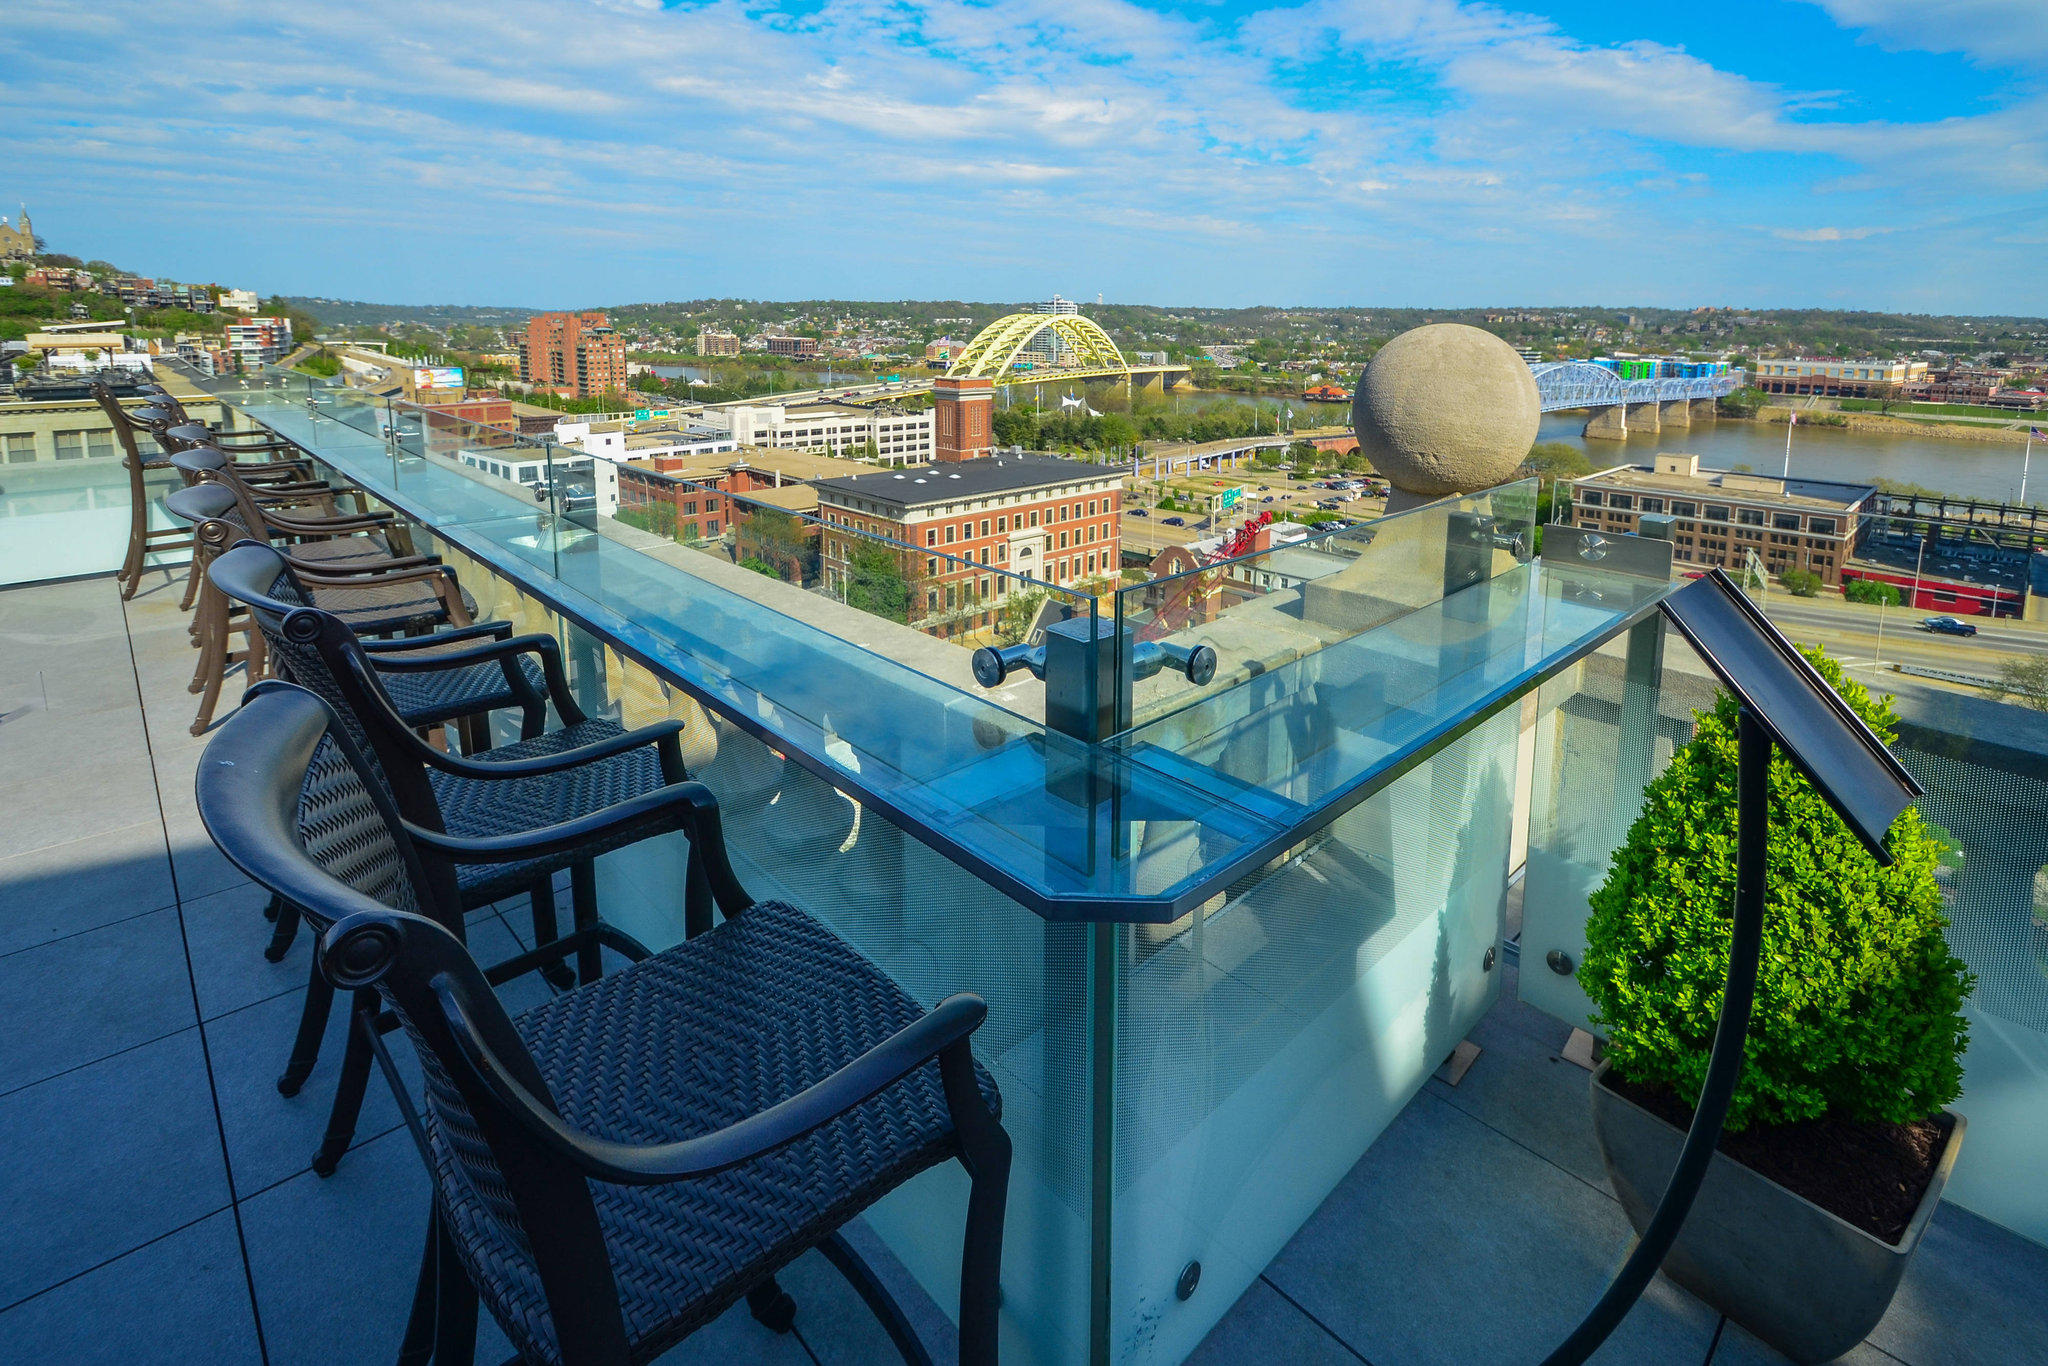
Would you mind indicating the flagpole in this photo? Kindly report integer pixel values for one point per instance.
(1791, 421)
(2026, 460)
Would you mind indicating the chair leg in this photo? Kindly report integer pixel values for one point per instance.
(455, 1308)
(546, 929)
(583, 907)
(192, 578)
(887, 1312)
(287, 929)
(417, 1347)
(985, 1152)
(272, 907)
(312, 1029)
(354, 1083)
(772, 1306)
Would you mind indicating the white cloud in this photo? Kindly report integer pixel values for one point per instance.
(1826, 234)
(1995, 32)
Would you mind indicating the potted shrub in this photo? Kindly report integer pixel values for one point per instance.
(1837, 1144)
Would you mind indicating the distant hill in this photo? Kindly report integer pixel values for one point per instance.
(356, 313)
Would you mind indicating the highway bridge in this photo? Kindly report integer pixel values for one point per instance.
(1620, 406)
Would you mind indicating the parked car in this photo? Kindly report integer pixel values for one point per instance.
(1948, 626)
(1175, 521)
(1138, 512)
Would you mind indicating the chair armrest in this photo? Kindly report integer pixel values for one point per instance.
(357, 568)
(675, 802)
(944, 1026)
(326, 577)
(661, 734)
(505, 649)
(325, 524)
(483, 630)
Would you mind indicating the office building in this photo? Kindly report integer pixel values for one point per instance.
(794, 348)
(714, 343)
(897, 436)
(1041, 516)
(575, 354)
(1831, 378)
(1720, 517)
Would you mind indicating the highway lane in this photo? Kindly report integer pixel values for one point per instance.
(2005, 637)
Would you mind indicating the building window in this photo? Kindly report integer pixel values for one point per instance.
(1749, 516)
(984, 526)
(950, 529)
(17, 447)
(931, 565)
(1821, 526)
(1063, 540)
(1034, 517)
(1716, 513)
(1002, 525)
(1621, 501)
(1590, 497)
(931, 535)
(1785, 521)
(1653, 505)
(711, 527)
(1684, 510)
(80, 444)
(1002, 554)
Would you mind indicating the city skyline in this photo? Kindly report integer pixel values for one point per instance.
(1843, 153)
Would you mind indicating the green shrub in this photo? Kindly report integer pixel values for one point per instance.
(1801, 583)
(1858, 1008)
(1872, 591)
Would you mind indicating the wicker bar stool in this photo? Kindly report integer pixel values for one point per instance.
(506, 797)
(614, 1169)
(303, 515)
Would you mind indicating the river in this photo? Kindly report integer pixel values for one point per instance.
(1969, 469)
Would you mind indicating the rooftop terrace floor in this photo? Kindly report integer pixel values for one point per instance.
(159, 1205)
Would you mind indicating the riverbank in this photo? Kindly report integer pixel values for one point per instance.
(1889, 425)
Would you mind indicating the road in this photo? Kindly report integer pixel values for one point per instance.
(1859, 620)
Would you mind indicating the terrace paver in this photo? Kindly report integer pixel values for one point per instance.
(144, 1025)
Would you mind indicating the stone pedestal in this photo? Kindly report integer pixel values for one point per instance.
(1607, 424)
(1677, 413)
(1703, 411)
(1642, 418)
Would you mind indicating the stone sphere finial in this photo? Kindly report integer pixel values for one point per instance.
(1445, 409)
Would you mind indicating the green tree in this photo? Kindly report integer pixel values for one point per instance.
(1859, 1001)
(1872, 591)
(779, 540)
(1015, 615)
(876, 583)
(1801, 583)
(1551, 461)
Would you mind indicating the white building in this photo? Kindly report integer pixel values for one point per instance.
(238, 301)
(899, 436)
(257, 342)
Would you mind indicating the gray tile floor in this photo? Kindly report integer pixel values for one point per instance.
(159, 1207)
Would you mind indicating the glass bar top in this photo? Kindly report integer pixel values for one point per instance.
(1141, 828)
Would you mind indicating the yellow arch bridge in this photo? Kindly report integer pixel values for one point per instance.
(1087, 351)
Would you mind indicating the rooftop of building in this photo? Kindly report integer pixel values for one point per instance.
(768, 461)
(919, 485)
(1681, 474)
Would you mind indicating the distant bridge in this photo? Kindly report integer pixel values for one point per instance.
(997, 351)
(1622, 406)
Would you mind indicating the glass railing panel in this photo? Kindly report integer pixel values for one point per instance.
(1268, 1039)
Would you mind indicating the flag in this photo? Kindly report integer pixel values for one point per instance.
(1792, 421)
(2037, 434)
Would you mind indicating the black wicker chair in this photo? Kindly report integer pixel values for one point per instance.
(614, 1169)
(499, 800)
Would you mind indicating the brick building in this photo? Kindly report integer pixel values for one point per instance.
(1048, 518)
(711, 342)
(577, 354)
(698, 489)
(963, 418)
(795, 348)
(1719, 516)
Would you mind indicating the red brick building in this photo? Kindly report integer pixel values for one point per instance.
(963, 418)
(577, 354)
(1052, 519)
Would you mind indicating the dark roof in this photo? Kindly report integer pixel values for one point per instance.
(918, 485)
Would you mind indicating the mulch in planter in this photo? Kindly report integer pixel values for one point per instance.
(1872, 1175)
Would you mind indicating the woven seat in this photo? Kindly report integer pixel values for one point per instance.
(375, 609)
(684, 1044)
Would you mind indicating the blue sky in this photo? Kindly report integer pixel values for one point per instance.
(1830, 153)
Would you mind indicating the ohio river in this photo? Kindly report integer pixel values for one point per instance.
(1969, 469)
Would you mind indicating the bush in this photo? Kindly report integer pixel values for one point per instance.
(1858, 1008)
(1800, 583)
(1872, 591)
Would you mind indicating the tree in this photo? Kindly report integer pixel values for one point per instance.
(2025, 681)
(1859, 1013)
(1018, 611)
(1801, 583)
(876, 583)
(776, 539)
(1872, 591)
(1551, 461)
